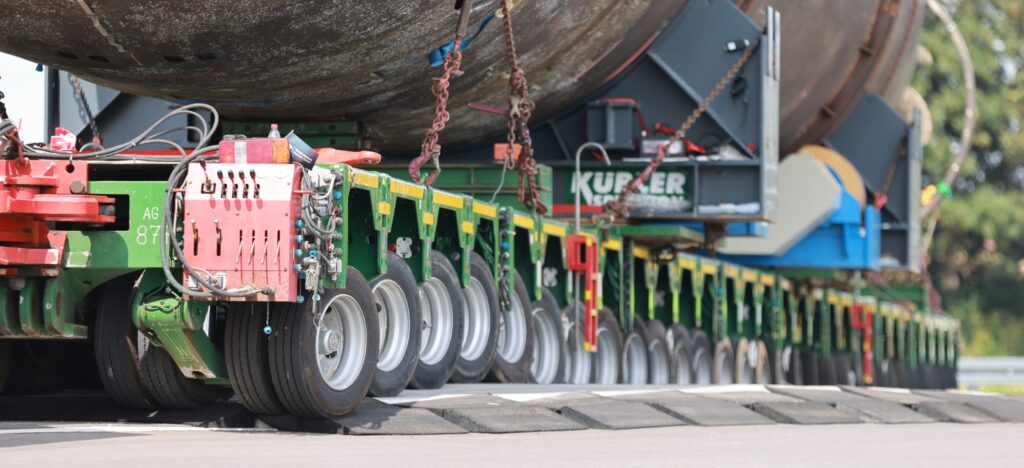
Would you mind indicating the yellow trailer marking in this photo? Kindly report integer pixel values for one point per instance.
(449, 200)
(407, 189)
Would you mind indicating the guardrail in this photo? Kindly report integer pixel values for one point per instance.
(1001, 370)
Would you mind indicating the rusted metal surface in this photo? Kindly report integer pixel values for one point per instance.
(834, 52)
(303, 60)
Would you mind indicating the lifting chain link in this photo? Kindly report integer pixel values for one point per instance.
(430, 150)
(520, 108)
(619, 208)
(83, 106)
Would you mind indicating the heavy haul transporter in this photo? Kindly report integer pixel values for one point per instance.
(244, 262)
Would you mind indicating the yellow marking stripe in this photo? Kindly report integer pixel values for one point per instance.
(364, 179)
(449, 200)
(749, 276)
(553, 229)
(384, 208)
(688, 263)
(523, 221)
(708, 269)
(428, 218)
(640, 252)
(732, 271)
(768, 280)
(407, 189)
(484, 209)
(612, 244)
(467, 227)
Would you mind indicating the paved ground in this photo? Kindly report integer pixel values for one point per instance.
(939, 444)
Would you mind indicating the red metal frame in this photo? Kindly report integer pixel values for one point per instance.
(582, 260)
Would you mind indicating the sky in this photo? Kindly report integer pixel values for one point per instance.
(24, 88)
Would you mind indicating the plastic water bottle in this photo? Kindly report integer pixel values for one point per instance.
(274, 132)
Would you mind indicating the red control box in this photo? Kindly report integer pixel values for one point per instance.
(239, 226)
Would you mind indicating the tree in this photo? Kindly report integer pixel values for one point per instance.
(977, 256)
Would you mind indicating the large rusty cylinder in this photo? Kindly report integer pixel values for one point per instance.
(367, 60)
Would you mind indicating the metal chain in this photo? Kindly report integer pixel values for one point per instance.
(520, 108)
(430, 150)
(83, 105)
(620, 207)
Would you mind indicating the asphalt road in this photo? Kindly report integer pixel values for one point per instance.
(35, 445)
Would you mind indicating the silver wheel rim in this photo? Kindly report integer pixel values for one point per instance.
(606, 370)
(477, 321)
(578, 363)
(512, 331)
(341, 342)
(724, 370)
(546, 354)
(395, 323)
(438, 321)
(635, 357)
(659, 363)
(702, 368)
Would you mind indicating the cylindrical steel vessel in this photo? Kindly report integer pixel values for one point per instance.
(305, 60)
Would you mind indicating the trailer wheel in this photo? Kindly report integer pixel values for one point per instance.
(902, 373)
(609, 349)
(681, 366)
(634, 355)
(702, 360)
(247, 359)
(827, 370)
(324, 369)
(723, 370)
(549, 346)
(809, 365)
(480, 330)
(659, 357)
(579, 363)
(118, 345)
(845, 375)
(764, 370)
(169, 386)
(674, 333)
(515, 338)
(443, 310)
(792, 366)
(746, 361)
(397, 301)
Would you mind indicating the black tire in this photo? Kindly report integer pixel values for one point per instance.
(5, 363)
(745, 372)
(607, 367)
(792, 366)
(578, 363)
(397, 284)
(702, 359)
(681, 363)
(763, 372)
(37, 368)
(902, 373)
(472, 365)
(247, 359)
(514, 366)
(884, 374)
(550, 349)
(118, 344)
(659, 355)
(170, 388)
(435, 374)
(845, 374)
(827, 370)
(635, 355)
(809, 365)
(723, 369)
(674, 331)
(293, 353)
